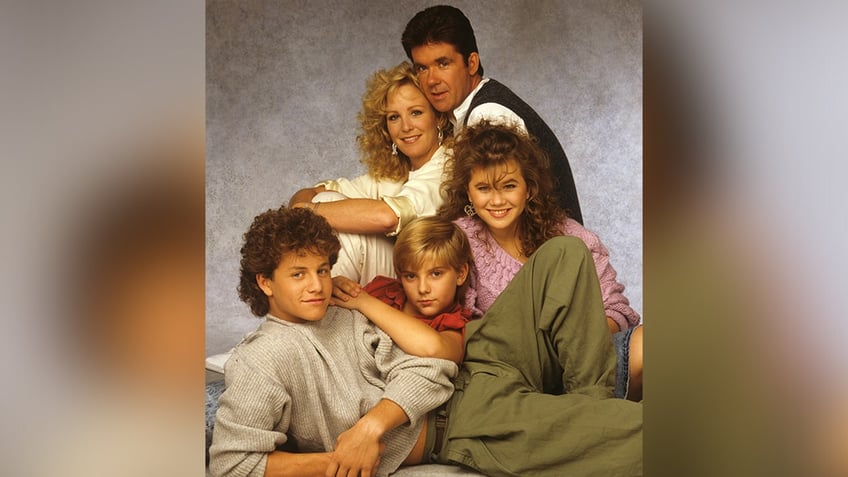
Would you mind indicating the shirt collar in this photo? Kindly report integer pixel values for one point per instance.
(458, 116)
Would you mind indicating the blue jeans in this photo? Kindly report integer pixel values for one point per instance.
(621, 341)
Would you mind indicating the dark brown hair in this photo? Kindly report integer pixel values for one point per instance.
(486, 145)
(273, 234)
(441, 24)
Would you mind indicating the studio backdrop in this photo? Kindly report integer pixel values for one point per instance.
(284, 84)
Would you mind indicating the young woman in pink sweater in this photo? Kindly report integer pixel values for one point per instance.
(500, 193)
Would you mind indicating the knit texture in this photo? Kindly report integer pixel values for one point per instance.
(302, 385)
(495, 268)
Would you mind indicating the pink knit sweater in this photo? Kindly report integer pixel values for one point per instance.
(496, 267)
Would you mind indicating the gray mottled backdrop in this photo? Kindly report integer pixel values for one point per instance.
(284, 81)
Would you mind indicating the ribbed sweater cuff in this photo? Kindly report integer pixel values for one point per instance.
(417, 394)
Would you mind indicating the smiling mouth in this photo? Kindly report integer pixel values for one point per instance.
(498, 214)
(410, 140)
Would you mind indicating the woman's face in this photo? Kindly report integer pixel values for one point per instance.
(411, 122)
(499, 194)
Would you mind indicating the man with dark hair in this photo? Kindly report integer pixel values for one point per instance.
(441, 44)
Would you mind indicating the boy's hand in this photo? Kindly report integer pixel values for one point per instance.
(357, 452)
(344, 289)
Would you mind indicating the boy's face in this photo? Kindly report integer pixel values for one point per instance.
(431, 289)
(445, 78)
(300, 288)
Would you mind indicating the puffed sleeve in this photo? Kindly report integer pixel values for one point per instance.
(616, 305)
(454, 319)
(388, 290)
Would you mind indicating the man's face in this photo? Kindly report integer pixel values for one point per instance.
(444, 76)
(300, 288)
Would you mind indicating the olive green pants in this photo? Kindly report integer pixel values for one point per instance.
(534, 395)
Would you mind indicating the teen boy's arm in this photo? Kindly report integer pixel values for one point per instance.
(359, 448)
(413, 387)
(357, 451)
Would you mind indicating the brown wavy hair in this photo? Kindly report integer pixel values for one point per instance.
(273, 234)
(486, 145)
(374, 141)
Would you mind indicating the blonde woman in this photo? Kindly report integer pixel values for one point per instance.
(402, 141)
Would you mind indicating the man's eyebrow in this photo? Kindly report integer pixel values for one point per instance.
(441, 59)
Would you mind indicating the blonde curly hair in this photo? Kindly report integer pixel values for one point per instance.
(374, 140)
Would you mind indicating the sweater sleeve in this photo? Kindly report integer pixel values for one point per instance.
(417, 385)
(253, 413)
(616, 305)
(421, 194)
(360, 187)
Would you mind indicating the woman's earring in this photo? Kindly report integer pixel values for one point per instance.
(469, 210)
(394, 149)
(441, 136)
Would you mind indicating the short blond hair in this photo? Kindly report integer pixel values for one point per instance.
(433, 238)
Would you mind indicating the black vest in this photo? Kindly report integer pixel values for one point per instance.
(566, 192)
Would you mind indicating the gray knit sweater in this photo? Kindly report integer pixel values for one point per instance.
(304, 384)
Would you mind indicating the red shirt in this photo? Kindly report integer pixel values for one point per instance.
(390, 291)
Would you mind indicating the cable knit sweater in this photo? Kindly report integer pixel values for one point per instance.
(495, 268)
(304, 384)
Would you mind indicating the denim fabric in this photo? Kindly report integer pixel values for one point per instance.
(213, 392)
(621, 341)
